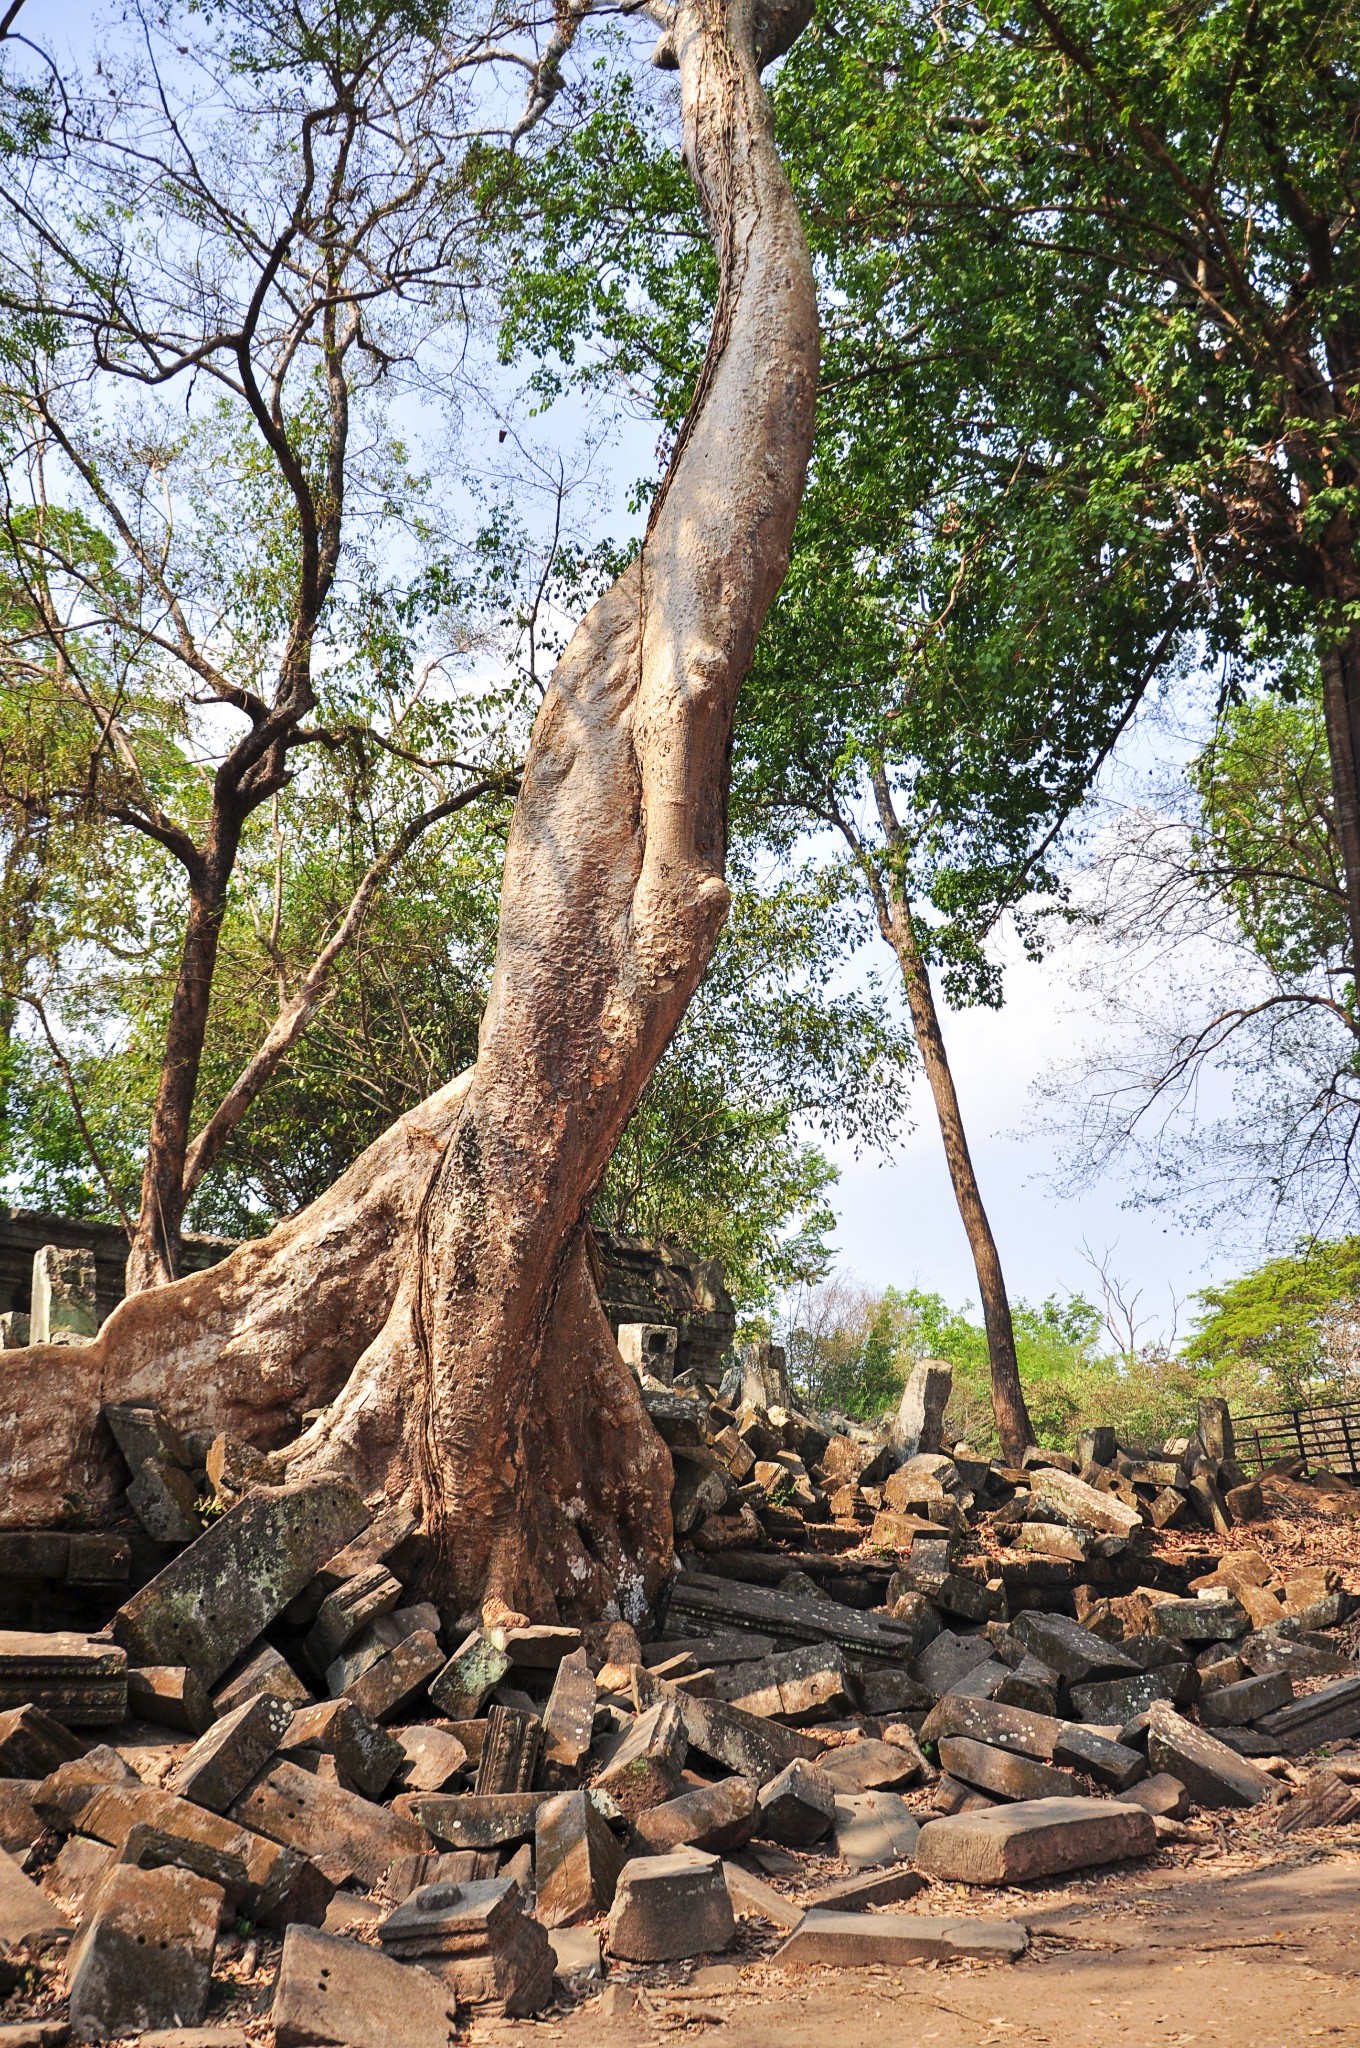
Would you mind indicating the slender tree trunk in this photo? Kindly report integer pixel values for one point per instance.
(898, 928)
(153, 1255)
(492, 1395)
(1340, 663)
(1008, 1399)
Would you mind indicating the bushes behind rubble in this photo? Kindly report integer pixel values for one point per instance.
(850, 1350)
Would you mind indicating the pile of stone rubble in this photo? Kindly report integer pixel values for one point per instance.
(880, 1666)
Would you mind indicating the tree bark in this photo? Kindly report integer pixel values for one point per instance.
(1014, 1428)
(153, 1254)
(1340, 664)
(490, 1393)
(1013, 1425)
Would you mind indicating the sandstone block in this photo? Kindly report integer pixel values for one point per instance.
(870, 1766)
(715, 1817)
(1086, 1507)
(1012, 1844)
(25, 1913)
(170, 1695)
(752, 1898)
(394, 1680)
(235, 1749)
(643, 1767)
(873, 1888)
(264, 1670)
(1211, 1773)
(666, 1907)
(873, 1828)
(860, 1940)
(577, 1860)
(343, 1835)
(1110, 1763)
(212, 1601)
(330, 1989)
(1238, 1705)
(568, 1719)
(367, 1756)
(919, 1421)
(434, 1757)
(1004, 1727)
(1001, 1772)
(1075, 1653)
(144, 1957)
(370, 1594)
(476, 1939)
(469, 1678)
(797, 1807)
(1161, 1795)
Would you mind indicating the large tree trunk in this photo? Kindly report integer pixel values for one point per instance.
(490, 1394)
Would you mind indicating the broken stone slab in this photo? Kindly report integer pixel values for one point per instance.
(1212, 1774)
(430, 1758)
(666, 1907)
(1074, 1652)
(850, 1940)
(1238, 1704)
(1037, 1838)
(1160, 1795)
(32, 1743)
(753, 1899)
(885, 1691)
(62, 1308)
(153, 1848)
(873, 1828)
(171, 1696)
(144, 1957)
(76, 1869)
(919, 1421)
(1114, 1702)
(264, 1670)
(366, 1597)
(577, 1860)
(460, 1820)
(211, 1602)
(642, 1768)
(948, 1658)
(477, 1940)
(368, 1757)
(742, 1743)
(568, 1720)
(1324, 1801)
(330, 1990)
(871, 1888)
(235, 1749)
(64, 1793)
(1004, 1727)
(1086, 1507)
(810, 1683)
(344, 1835)
(510, 1751)
(377, 1544)
(797, 1807)
(1001, 1773)
(701, 1603)
(390, 1684)
(26, 1914)
(76, 1681)
(469, 1678)
(281, 1884)
(165, 1501)
(764, 1376)
(715, 1817)
(1109, 1763)
(870, 1766)
(20, 1822)
(1332, 1714)
(1201, 1621)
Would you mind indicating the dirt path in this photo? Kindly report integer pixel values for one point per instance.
(1249, 1953)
